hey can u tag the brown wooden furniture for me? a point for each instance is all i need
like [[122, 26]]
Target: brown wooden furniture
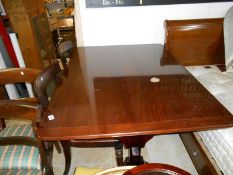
[[45, 85], [31, 112], [64, 51], [19, 75], [66, 28], [40, 79], [16, 75], [25, 108], [197, 154], [46, 82], [30, 75], [29, 20], [196, 42], [156, 169], [67, 144], [3, 93], [109, 94]]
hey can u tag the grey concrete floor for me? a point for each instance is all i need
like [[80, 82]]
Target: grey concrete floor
[[166, 149]]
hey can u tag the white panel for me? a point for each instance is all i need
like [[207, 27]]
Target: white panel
[[136, 25], [228, 40], [20, 59], [10, 88]]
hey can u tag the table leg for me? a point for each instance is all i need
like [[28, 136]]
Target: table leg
[[135, 157], [134, 144], [119, 154], [67, 153]]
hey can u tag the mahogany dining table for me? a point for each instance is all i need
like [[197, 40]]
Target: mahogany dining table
[[129, 92]]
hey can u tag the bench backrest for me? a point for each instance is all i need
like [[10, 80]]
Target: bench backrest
[[196, 41]]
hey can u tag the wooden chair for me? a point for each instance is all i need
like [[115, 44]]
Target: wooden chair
[[21, 108], [64, 51], [156, 169], [53, 72], [67, 144], [19, 75], [46, 83], [20, 151]]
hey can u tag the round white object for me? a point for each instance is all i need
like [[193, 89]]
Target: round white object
[[155, 80]]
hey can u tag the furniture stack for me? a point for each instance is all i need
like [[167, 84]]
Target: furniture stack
[[28, 19]]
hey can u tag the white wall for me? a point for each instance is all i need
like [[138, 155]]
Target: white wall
[[136, 25]]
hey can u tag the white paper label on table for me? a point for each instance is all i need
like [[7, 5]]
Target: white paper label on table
[[51, 117]]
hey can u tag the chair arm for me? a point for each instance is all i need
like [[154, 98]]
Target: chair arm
[[33, 100], [18, 109], [19, 140]]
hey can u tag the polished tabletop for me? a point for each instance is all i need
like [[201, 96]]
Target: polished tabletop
[[117, 91]]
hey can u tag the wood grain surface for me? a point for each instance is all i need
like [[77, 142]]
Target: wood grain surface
[[108, 93]]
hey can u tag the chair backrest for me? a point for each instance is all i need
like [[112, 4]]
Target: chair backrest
[[65, 48], [228, 39], [51, 74], [18, 75], [195, 41], [156, 169]]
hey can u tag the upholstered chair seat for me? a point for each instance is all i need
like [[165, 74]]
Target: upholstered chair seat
[[19, 159]]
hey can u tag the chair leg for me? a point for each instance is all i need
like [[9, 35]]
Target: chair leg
[[67, 153], [44, 157], [57, 146], [65, 69], [2, 124], [119, 154]]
